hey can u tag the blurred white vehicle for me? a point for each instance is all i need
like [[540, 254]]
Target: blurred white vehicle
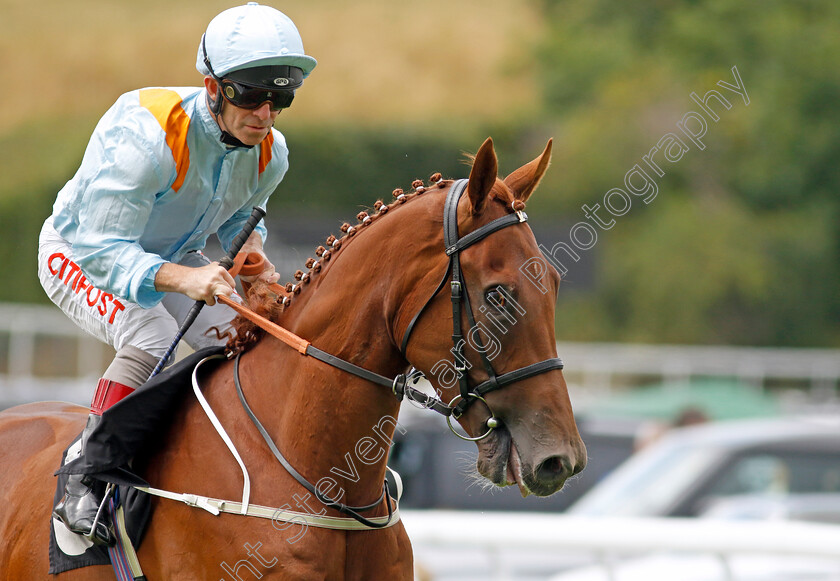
[[691, 470], [696, 567], [779, 470], [820, 507]]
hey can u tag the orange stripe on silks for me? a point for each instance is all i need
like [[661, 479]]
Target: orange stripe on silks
[[165, 105], [265, 150]]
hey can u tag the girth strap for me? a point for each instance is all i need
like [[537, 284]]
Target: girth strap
[[216, 506]]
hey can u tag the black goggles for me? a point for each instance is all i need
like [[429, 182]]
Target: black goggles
[[247, 97]]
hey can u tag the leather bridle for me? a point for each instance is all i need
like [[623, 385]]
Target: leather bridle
[[402, 385], [455, 244]]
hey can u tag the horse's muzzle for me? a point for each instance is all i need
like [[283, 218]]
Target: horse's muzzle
[[551, 474], [505, 463]]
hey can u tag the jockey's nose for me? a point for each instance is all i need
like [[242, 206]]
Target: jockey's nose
[[263, 111]]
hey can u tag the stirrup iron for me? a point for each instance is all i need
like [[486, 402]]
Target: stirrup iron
[[91, 536]]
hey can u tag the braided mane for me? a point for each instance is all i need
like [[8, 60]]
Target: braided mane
[[266, 300]]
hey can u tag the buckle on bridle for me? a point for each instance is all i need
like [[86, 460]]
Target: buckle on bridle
[[398, 387]]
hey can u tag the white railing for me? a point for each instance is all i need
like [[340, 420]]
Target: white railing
[[491, 541], [31, 368], [603, 362], [802, 380], [43, 356]]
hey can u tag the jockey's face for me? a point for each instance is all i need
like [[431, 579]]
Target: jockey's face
[[250, 126]]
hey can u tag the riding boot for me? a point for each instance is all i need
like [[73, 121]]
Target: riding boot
[[82, 498], [83, 495]]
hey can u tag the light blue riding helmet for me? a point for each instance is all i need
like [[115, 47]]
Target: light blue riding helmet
[[251, 36]]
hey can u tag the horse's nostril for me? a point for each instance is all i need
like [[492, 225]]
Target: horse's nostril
[[553, 467], [549, 475]]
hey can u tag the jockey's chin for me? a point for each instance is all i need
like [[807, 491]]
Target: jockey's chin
[[250, 126]]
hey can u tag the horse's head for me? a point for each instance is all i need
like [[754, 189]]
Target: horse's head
[[509, 318], [500, 311]]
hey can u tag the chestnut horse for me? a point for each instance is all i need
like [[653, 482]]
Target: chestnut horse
[[358, 306]]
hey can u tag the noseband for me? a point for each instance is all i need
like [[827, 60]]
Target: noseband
[[461, 300]]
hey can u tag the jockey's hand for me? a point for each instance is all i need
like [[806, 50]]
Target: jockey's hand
[[201, 284], [269, 274], [254, 244]]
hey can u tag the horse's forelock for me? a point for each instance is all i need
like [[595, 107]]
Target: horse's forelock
[[502, 193]]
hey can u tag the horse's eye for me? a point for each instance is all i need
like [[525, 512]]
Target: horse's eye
[[495, 298]]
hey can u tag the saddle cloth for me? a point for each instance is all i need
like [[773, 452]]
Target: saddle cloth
[[126, 430]]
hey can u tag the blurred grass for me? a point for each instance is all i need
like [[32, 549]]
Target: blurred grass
[[441, 69], [379, 62]]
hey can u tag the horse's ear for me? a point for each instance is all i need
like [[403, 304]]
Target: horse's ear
[[525, 180], [483, 175]]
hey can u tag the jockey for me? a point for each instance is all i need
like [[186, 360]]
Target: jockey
[[165, 169]]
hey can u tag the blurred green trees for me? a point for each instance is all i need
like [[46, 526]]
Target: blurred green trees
[[742, 243]]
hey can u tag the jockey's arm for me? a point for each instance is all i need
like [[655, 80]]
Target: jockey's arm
[[206, 282], [201, 284]]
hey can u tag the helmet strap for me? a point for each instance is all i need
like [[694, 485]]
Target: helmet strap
[[215, 106], [232, 141], [215, 103]]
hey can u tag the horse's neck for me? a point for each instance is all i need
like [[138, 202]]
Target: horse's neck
[[351, 308], [329, 422]]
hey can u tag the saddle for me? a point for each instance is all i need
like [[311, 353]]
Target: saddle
[[125, 431]]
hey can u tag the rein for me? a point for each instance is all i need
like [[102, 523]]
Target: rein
[[353, 511], [398, 385], [401, 385]]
